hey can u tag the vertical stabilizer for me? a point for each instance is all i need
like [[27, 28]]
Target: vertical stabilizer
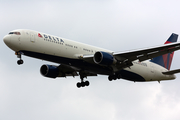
[[166, 59]]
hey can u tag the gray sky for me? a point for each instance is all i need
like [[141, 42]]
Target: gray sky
[[112, 24]]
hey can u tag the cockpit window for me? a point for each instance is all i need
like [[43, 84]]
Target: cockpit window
[[16, 33]]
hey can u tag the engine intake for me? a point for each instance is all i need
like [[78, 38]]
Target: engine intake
[[49, 71], [104, 58]]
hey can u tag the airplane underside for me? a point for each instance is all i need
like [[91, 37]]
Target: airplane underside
[[92, 68]]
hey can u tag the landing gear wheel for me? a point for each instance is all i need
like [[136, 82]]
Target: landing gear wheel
[[110, 78], [82, 84], [78, 84], [19, 62], [119, 76], [87, 83], [114, 77]]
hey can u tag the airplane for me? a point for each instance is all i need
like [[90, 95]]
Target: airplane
[[78, 59]]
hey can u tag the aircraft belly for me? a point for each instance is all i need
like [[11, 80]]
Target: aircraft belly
[[138, 72], [68, 61], [132, 74]]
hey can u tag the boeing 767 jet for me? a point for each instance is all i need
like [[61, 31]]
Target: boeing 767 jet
[[78, 59]]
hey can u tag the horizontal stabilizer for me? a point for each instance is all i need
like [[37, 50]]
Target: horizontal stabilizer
[[171, 72]]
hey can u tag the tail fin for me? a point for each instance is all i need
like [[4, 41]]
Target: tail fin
[[166, 59]]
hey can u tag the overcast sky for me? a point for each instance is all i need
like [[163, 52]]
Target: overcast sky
[[112, 24]]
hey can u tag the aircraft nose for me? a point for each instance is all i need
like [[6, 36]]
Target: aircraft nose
[[7, 39]]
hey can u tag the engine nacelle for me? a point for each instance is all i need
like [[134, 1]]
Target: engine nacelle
[[49, 71], [104, 58]]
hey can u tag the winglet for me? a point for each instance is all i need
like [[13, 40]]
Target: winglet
[[172, 38]]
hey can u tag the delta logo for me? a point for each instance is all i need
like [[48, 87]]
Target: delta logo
[[39, 35]]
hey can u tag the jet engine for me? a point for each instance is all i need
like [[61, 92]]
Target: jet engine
[[104, 58], [49, 71]]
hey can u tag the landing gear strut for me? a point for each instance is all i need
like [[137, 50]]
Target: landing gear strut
[[82, 83], [19, 62]]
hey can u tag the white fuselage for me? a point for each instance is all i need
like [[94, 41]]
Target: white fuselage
[[41, 43]]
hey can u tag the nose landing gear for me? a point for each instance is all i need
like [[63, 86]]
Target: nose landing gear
[[19, 62]]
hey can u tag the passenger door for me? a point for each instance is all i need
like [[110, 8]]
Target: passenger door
[[32, 37], [153, 71]]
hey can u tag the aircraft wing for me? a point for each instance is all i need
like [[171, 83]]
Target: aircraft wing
[[88, 58], [67, 70], [147, 53], [124, 59]]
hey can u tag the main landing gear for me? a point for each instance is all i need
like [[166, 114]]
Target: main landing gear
[[19, 62], [114, 77], [82, 83]]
